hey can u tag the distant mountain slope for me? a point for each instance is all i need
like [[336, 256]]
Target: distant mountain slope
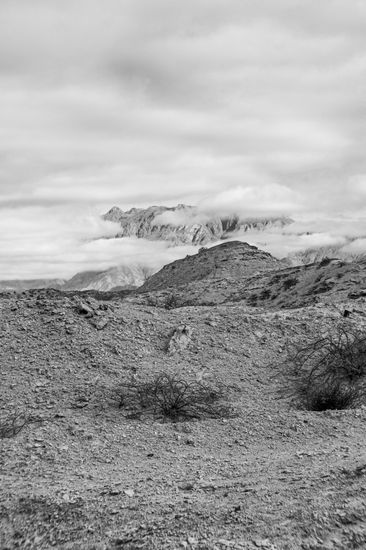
[[116, 278], [20, 284], [122, 277], [184, 225], [312, 255]]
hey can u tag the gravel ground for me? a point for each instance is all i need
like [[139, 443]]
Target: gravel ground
[[83, 474]]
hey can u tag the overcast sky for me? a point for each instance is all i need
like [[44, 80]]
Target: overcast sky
[[221, 103]]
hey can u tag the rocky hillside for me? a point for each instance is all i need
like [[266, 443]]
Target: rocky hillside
[[86, 473], [82, 469], [233, 260], [236, 271], [182, 225]]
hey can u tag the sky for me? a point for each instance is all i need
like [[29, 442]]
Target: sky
[[232, 105]]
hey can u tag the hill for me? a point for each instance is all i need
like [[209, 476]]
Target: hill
[[233, 260], [236, 271]]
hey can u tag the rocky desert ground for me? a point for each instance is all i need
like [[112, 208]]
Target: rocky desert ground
[[85, 472]]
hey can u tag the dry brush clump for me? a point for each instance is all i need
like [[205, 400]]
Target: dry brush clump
[[12, 423], [172, 398], [329, 372]]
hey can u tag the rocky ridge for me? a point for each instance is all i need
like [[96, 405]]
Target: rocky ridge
[[237, 271], [187, 229], [234, 260]]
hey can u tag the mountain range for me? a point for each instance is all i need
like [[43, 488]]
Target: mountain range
[[184, 224], [177, 226]]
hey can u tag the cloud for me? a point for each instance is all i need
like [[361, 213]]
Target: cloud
[[338, 227], [226, 104], [281, 244], [46, 243], [347, 235], [358, 246], [136, 102], [253, 201]]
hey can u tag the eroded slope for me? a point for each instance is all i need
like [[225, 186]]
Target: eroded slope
[[274, 477]]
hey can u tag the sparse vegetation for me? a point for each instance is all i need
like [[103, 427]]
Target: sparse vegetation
[[289, 283], [320, 286], [325, 261], [265, 294], [252, 300], [329, 372], [335, 396], [172, 398], [12, 423], [171, 302]]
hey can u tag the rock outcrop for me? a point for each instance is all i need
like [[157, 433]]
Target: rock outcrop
[[232, 260], [184, 225], [180, 339]]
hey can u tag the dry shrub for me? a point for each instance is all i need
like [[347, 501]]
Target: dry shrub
[[172, 398], [335, 396], [171, 302], [329, 372], [289, 283], [13, 423]]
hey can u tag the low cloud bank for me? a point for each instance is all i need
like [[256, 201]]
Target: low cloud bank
[[347, 235], [268, 200], [49, 243], [358, 246], [40, 242], [246, 202]]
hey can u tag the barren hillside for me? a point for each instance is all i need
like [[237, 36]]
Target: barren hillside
[[86, 472], [237, 271]]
